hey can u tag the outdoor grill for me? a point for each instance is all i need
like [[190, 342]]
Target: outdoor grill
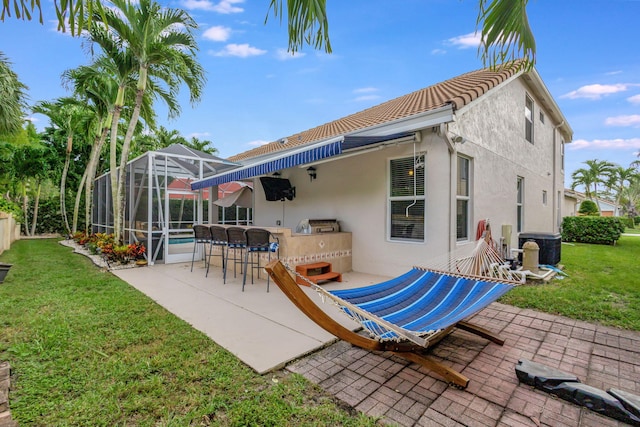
[[324, 226]]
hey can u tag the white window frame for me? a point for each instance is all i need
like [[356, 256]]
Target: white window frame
[[461, 197], [392, 227], [520, 204], [529, 110]]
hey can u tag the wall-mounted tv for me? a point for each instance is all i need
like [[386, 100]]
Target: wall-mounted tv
[[277, 188]]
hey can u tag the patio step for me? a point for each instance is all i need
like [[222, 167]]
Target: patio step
[[316, 272]]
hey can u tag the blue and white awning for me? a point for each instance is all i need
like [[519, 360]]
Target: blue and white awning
[[301, 156]]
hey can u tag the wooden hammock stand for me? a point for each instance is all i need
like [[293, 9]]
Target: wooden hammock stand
[[405, 349]]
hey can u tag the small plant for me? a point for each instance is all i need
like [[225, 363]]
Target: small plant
[[80, 237], [588, 207], [121, 254], [136, 251]]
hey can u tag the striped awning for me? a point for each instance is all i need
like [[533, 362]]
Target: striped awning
[[303, 155]]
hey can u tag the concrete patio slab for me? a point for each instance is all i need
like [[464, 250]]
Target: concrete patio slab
[[263, 329]]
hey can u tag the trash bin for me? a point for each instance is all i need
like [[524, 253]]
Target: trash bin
[[4, 270], [549, 243]]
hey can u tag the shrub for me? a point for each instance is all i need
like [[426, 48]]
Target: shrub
[[592, 229], [589, 207], [12, 208]]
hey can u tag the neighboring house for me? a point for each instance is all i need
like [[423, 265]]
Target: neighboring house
[[411, 178], [573, 199]]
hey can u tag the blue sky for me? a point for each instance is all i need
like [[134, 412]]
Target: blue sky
[[588, 56]]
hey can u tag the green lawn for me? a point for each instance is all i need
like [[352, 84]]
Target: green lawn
[[87, 349], [603, 285], [632, 231]]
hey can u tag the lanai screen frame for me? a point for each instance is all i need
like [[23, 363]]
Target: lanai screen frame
[[148, 210]]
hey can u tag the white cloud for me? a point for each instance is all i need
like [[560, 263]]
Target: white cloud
[[596, 91], [258, 143], [365, 90], [199, 135], [240, 50], [606, 144], [224, 6], [366, 98], [217, 33], [284, 55], [465, 41], [438, 52], [631, 120], [635, 99]]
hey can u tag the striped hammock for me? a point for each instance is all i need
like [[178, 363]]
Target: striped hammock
[[417, 305]]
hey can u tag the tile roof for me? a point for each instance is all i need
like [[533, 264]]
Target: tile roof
[[458, 91]]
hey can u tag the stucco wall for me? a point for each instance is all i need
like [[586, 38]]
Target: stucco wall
[[494, 130], [354, 189]]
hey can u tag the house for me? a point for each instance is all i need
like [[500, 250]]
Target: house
[[573, 199], [571, 203], [410, 179]]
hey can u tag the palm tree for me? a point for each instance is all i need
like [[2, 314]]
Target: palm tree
[[13, 96], [165, 137], [159, 43], [621, 179], [201, 145], [504, 24], [597, 172], [98, 85]]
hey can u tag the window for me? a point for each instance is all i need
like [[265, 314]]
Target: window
[[520, 205], [462, 199], [544, 197], [562, 154], [407, 198], [528, 119]]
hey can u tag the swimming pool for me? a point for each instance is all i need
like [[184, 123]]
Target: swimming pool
[[178, 240]]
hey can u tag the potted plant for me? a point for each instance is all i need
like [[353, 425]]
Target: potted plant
[[4, 269]]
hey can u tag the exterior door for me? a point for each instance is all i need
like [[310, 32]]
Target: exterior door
[[181, 209]]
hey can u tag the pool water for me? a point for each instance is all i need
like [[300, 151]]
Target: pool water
[[177, 240]]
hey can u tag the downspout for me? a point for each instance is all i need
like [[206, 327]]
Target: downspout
[[453, 172], [555, 217]]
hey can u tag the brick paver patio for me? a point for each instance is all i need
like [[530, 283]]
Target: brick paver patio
[[405, 394]]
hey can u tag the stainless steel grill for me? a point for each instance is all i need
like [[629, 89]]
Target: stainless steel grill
[[324, 226]]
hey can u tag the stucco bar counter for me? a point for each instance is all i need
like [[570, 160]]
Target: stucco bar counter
[[297, 249]]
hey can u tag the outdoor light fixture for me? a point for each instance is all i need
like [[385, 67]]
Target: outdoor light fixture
[[312, 173], [276, 174]]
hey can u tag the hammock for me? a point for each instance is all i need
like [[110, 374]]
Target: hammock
[[404, 315], [419, 304]]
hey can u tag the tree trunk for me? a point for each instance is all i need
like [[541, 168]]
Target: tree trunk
[[76, 206], [36, 204], [63, 182], [91, 176], [124, 154], [25, 205], [113, 170]]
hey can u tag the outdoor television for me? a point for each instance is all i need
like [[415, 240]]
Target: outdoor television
[[277, 188]]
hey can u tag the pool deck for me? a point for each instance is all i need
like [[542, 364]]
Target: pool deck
[[267, 332]]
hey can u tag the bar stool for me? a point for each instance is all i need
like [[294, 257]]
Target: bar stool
[[218, 238], [258, 241], [236, 241], [202, 236]]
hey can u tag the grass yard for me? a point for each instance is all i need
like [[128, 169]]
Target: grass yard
[[603, 285], [87, 349]]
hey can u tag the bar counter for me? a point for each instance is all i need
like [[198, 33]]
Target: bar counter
[[297, 249]]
